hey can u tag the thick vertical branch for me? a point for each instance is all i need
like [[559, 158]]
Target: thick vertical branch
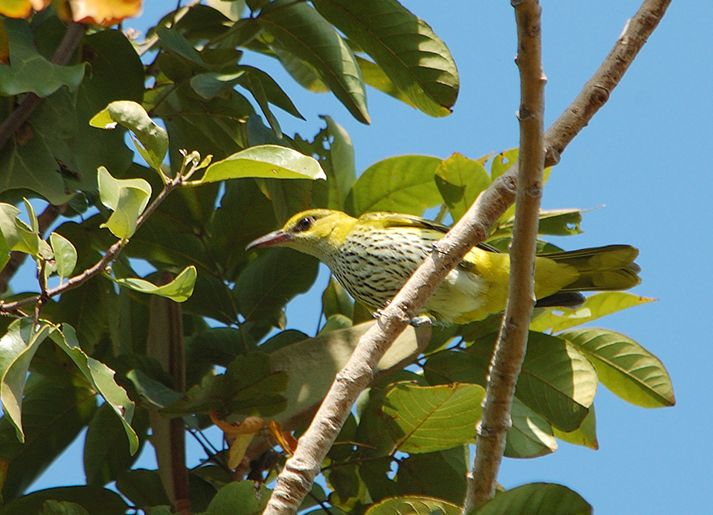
[[296, 479], [512, 340]]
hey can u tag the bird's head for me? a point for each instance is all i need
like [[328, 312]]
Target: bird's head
[[318, 232]]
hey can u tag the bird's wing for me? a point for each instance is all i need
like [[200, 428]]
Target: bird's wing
[[402, 220]]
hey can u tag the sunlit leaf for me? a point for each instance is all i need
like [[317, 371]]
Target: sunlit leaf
[[179, 289], [596, 306], [65, 255], [265, 161], [15, 234], [152, 141], [433, 418], [625, 367], [239, 497], [402, 184], [101, 377], [127, 198], [585, 435], [17, 348], [413, 505], [531, 435], [460, 180]]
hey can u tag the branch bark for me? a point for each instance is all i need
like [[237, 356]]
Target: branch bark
[[299, 472], [512, 341]]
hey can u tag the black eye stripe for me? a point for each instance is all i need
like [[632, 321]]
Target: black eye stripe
[[303, 224]]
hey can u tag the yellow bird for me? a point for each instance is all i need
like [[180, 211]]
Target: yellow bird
[[374, 255]]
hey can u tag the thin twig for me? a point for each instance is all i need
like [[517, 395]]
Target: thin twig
[[30, 101], [299, 472], [512, 341], [96, 269]]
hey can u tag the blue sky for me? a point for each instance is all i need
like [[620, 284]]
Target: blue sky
[[640, 166]]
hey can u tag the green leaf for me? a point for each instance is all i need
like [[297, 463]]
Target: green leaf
[[239, 497], [265, 161], [445, 471], [29, 71], [625, 367], [127, 198], [502, 162], [530, 435], [155, 393], [142, 487], [300, 30], [96, 500], [402, 184], [179, 290], [557, 381], [596, 306], [303, 72], [101, 377], [106, 450], [312, 364], [433, 418], [52, 507], [413, 505], [65, 255], [152, 141], [585, 435], [375, 77], [460, 180], [271, 280], [336, 300], [54, 411], [404, 46], [17, 348], [16, 235], [536, 499]]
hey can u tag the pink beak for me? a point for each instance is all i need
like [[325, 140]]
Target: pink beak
[[272, 239]]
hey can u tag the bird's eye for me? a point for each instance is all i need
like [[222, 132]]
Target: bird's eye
[[304, 224]]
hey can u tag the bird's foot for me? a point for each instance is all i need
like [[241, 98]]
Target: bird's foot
[[421, 320]]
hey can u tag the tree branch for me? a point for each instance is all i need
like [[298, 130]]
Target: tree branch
[[30, 101], [300, 470], [512, 341]]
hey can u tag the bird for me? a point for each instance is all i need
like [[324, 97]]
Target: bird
[[374, 255]]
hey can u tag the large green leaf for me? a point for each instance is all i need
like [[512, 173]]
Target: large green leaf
[[271, 280], [625, 367], [94, 499], [239, 497], [54, 411], [151, 140], [265, 161], [300, 30], [445, 473], [413, 505], [17, 348], [15, 234], [585, 435], [29, 71], [403, 45], [101, 377], [460, 180], [530, 435], [596, 306], [433, 418], [536, 499], [127, 198], [402, 184], [556, 381], [179, 289]]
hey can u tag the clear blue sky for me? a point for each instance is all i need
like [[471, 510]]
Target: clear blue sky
[[643, 157]]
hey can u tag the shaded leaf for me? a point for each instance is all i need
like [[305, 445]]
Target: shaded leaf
[[536, 499], [298, 29], [402, 184], [239, 497], [101, 377], [52, 507], [530, 435], [65, 255], [404, 46], [435, 474], [585, 435], [625, 367], [94, 499], [433, 418], [179, 289]]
